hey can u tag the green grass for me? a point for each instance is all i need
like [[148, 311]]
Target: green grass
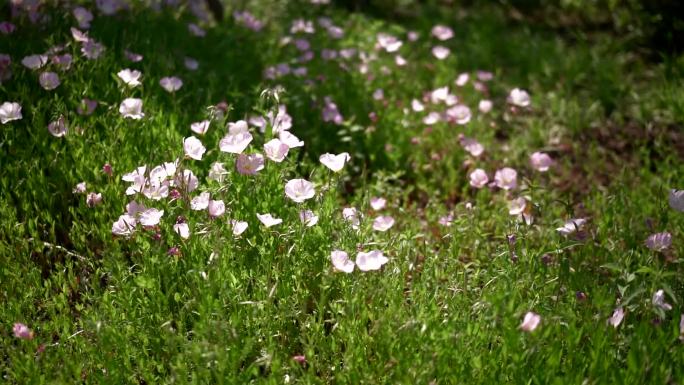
[[445, 309]]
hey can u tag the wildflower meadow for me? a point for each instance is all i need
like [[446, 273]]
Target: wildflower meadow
[[316, 192]]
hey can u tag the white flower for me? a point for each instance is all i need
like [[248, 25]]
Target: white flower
[[268, 220], [10, 111], [34, 62], [517, 206], [200, 202], [442, 32], [459, 113], [308, 218], [334, 162], [530, 322], [462, 79], [299, 190], [239, 227], [440, 52], [249, 164], [478, 178], [571, 225], [432, 118], [676, 199], [383, 223], [151, 217], [506, 178], [485, 106], [193, 148], [518, 97], [80, 188], [58, 128], [130, 77], [182, 229], [124, 226], [171, 83], [238, 127], [235, 143], [417, 106], [216, 208], [372, 260], [541, 161], [351, 215], [378, 203], [200, 127], [290, 139], [659, 300], [341, 261], [93, 199], [617, 317], [49, 80], [217, 172], [276, 150], [131, 108]]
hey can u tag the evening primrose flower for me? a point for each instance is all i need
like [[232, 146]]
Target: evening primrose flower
[[616, 319], [22, 331], [506, 178], [151, 217], [131, 108], [472, 146], [191, 63], [58, 128], [49, 80], [269, 220], [658, 300], [216, 208], [462, 79], [200, 127], [334, 162], [517, 206], [171, 83], [182, 229], [290, 139], [200, 202], [276, 150], [351, 215], [388, 42], [92, 49], [440, 52], [299, 190], [341, 261], [530, 322], [80, 188], [519, 98], [83, 17], [217, 172], [93, 199], [132, 56], [383, 223], [308, 218], [193, 148], [459, 113], [124, 226], [478, 178], [442, 32], [239, 227], [235, 143], [378, 203], [34, 62], [571, 226], [130, 77], [372, 260], [485, 106], [249, 164], [676, 199], [540, 161], [659, 241], [187, 181]]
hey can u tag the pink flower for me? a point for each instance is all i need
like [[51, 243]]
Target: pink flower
[[372, 260], [308, 218], [124, 226], [383, 223], [472, 146], [485, 106], [200, 202], [58, 128], [235, 143], [151, 217], [10, 111], [216, 208], [541, 161], [187, 181], [676, 199], [22, 331], [378, 203], [351, 215], [6, 27], [378, 94], [289, 139], [239, 227], [83, 17], [299, 190], [131, 108], [519, 98], [506, 178], [34, 62], [462, 79], [517, 206], [432, 118], [334, 162], [276, 150], [217, 172], [182, 229], [658, 300], [193, 148], [659, 241], [80, 37], [109, 7], [400, 61], [388, 42], [92, 49], [250, 164], [440, 52], [571, 226], [196, 30], [191, 64], [86, 107], [171, 83], [530, 322], [49, 80], [459, 114], [478, 178], [93, 199], [485, 76], [616, 319], [132, 56], [130, 77], [268, 220], [80, 188], [442, 32], [331, 113], [341, 261], [200, 127]]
